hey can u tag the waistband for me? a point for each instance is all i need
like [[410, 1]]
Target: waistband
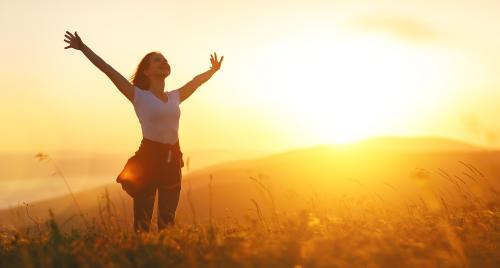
[[150, 145]]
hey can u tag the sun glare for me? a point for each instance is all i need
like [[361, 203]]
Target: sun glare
[[342, 89]]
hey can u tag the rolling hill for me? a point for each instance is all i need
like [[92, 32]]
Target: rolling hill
[[385, 170]]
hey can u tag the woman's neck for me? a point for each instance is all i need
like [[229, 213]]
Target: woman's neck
[[157, 85]]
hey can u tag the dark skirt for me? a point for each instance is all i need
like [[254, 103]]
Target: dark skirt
[[154, 163]]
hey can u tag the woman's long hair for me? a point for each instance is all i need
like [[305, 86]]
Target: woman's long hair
[[139, 79]]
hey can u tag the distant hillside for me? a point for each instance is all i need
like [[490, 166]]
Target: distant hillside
[[417, 144], [387, 169]]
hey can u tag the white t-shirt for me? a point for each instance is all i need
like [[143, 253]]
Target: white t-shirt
[[159, 119]]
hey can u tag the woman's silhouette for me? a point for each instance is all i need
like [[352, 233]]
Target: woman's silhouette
[[158, 161]]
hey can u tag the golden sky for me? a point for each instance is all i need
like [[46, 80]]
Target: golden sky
[[295, 73]]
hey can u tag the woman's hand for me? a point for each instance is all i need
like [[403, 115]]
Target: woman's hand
[[215, 63], [74, 41]]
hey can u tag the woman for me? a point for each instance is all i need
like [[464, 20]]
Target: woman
[[158, 161]]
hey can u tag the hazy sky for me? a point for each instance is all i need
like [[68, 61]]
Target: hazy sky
[[295, 73]]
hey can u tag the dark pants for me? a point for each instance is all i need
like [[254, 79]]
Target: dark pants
[[166, 178]]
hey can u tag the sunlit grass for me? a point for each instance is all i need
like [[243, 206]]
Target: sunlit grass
[[351, 232]]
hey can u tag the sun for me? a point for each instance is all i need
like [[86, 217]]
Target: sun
[[340, 89]]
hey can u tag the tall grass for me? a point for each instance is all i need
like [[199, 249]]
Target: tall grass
[[358, 232], [42, 157]]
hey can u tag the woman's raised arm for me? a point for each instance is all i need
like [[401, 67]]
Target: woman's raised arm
[[120, 82], [190, 87]]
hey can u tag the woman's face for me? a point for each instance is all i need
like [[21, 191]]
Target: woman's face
[[158, 66]]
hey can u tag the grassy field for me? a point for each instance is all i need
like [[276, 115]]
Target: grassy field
[[453, 223], [360, 234]]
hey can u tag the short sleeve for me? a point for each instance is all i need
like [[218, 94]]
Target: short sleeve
[[137, 92], [176, 95]]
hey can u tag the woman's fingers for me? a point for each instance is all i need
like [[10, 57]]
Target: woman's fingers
[[215, 62], [73, 41], [212, 60]]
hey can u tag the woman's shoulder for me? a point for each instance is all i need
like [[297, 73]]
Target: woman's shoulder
[[138, 92], [175, 94], [139, 88]]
